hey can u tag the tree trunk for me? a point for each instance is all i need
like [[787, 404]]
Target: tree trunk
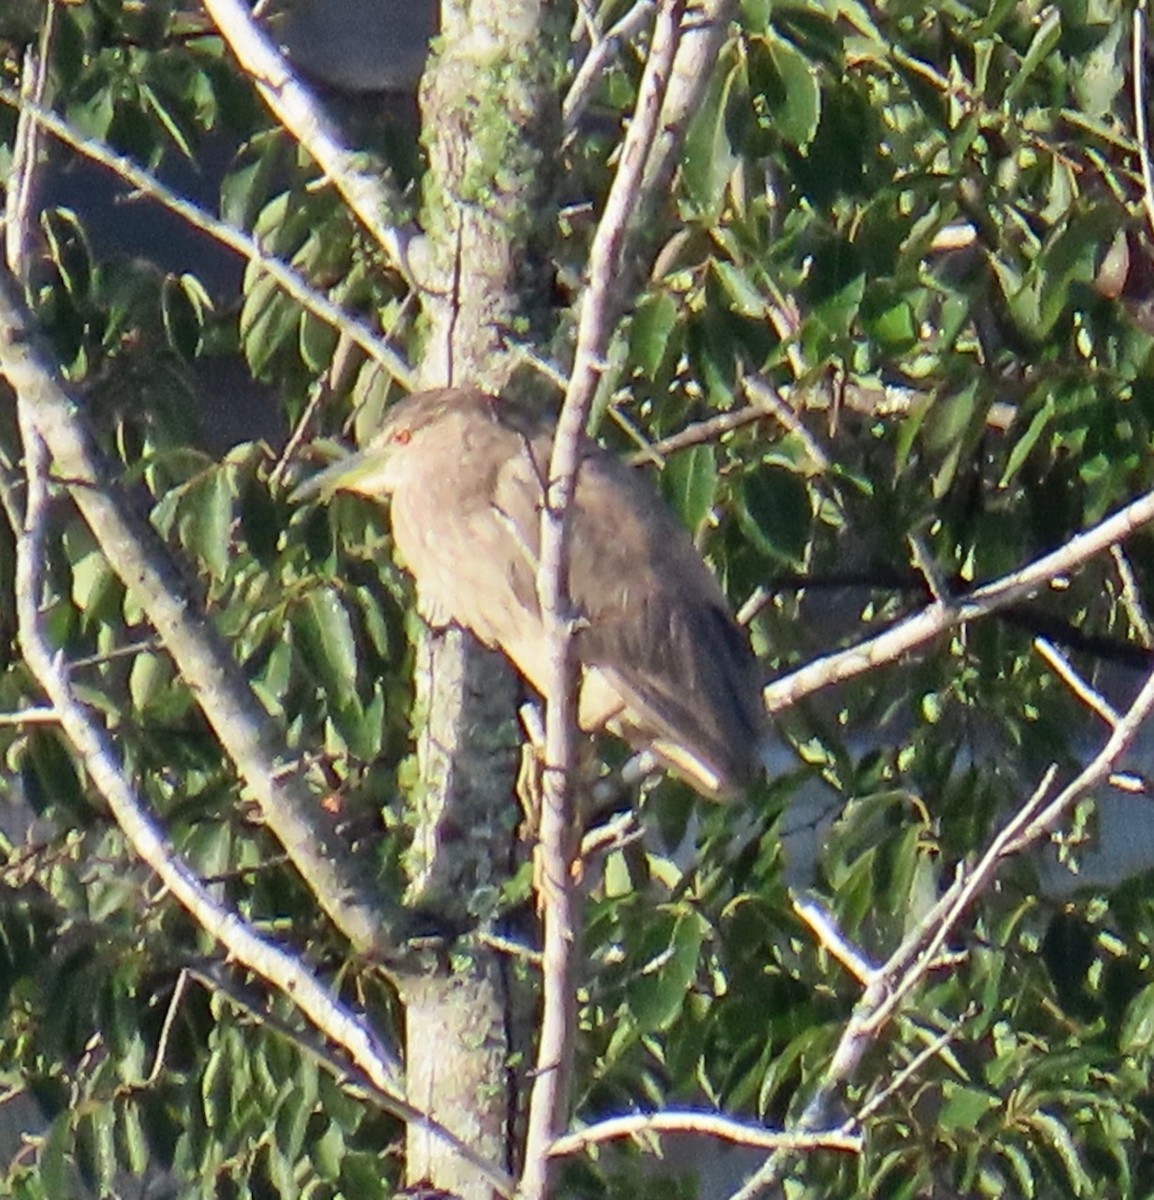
[[492, 122]]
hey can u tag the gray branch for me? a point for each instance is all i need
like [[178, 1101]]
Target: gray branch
[[291, 807]]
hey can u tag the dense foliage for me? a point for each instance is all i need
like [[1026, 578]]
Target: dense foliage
[[923, 226]]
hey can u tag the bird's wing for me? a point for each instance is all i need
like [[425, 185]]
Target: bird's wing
[[655, 628]]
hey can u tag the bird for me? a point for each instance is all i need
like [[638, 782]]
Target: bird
[[663, 663]]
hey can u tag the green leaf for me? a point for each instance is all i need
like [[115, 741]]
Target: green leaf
[[965, 1106], [796, 103], [708, 160], [653, 325], [149, 675], [48, 775], [327, 643], [68, 250], [1027, 441], [1042, 46], [1137, 1033], [669, 954], [245, 188], [184, 307], [327, 1152], [775, 512], [268, 319], [215, 1090], [745, 299], [318, 343], [1058, 1136], [96, 1146], [131, 1140], [690, 482], [206, 521], [53, 1157], [364, 1176], [891, 321]]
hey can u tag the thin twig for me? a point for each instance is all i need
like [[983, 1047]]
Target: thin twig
[[20, 205], [704, 33], [166, 1029], [317, 393], [1138, 82], [908, 1072], [30, 716], [1064, 669], [767, 399], [831, 939], [926, 567], [709, 1124], [147, 645], [596, 62], [1132, 602], [699, 433], [601, 301]]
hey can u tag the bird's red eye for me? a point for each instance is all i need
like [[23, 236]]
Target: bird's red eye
[[404, 436]]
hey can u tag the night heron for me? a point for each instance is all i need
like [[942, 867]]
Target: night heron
[[663, 663]]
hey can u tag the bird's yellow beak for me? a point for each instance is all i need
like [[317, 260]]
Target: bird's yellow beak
[[353, 471]]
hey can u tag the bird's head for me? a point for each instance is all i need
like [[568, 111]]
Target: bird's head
[[407, 444]]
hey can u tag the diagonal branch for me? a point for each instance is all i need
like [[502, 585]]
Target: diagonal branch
[[340, 880], [243, 945], [95, 748], [372, 198], [889, 985], [286, 277], [942, 616], [596, 62]]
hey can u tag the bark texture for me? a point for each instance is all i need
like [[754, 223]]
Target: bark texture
[[492, 127]]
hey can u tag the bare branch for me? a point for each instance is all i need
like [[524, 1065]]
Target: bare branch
[[1138, 83], [601, 302], [1132, 602], [890, 984], [95, 748], [1063, 668], [337, 876], [703, 36], [909, 1071], [709, 1124], [288, 278], [937, 618], [174, 1002], [20, 206], [558, 846], [767, 399], [371, 197], [831, 939], [700, 433], [30, 716], [596, 62]]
